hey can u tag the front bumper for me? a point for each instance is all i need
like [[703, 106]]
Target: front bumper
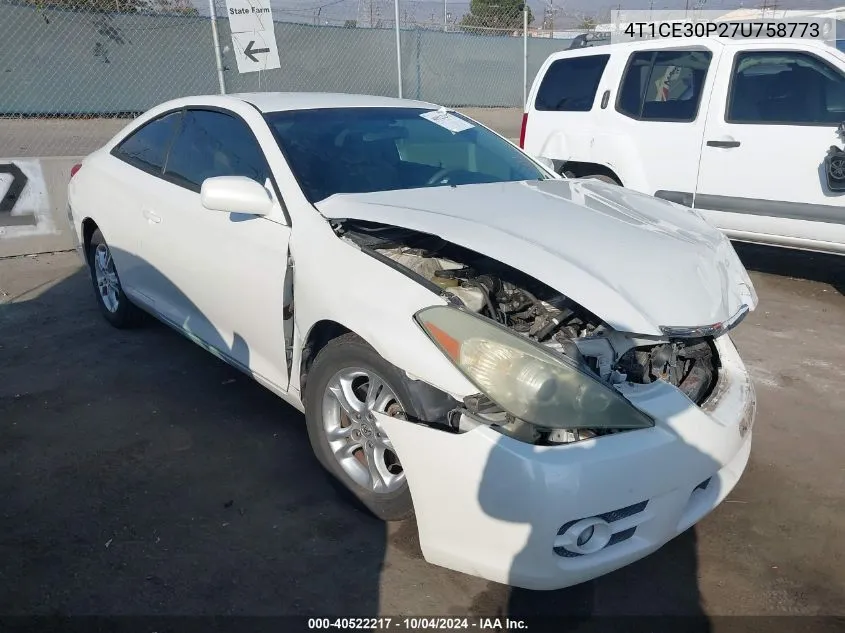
[[491, 506]]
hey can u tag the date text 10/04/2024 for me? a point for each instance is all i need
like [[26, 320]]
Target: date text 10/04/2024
[[418, 624], [637, 30]]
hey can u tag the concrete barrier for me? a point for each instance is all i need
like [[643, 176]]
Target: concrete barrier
[[33, 206]]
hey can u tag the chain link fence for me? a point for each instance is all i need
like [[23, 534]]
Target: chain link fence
[[73, 71]]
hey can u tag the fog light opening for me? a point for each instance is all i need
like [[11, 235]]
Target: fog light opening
[[585, 536]]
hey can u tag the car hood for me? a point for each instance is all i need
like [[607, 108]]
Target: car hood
[[635, 261]]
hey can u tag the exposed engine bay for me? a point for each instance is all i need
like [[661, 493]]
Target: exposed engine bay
[[534, 310]]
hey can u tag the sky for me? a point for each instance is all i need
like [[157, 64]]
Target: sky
[[568, 12]]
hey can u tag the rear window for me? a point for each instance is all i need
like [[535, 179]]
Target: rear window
[[570, 85], [663, 85], [147, 147]]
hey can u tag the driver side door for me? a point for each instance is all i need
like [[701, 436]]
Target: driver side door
[[220, 277]]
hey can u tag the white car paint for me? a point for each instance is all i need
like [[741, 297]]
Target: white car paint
[[495, 505], [780, 163], [486, 504], [555, 242]]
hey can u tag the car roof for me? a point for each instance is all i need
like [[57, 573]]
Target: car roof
[[282, 101], [688, 42]]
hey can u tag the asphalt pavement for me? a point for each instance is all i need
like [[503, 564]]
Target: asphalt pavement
[[141, 475]]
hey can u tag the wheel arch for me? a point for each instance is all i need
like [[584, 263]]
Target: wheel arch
[[317, 337], [431, 403], [89, 226], [579, 169]]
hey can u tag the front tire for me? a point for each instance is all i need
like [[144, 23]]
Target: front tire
[[347, 383], [113, 303]]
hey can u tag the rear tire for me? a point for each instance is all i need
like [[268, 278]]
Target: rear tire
[[113, 303], [347, 381]]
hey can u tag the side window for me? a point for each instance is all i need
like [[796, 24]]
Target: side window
[[146, 148], [570, 84], [788, 87], [214, 144], [663, 85]]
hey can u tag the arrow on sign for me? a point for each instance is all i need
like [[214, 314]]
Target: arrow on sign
[[250, 52]]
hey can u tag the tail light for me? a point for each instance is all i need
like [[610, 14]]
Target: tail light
[[522, 130], [75, 169]]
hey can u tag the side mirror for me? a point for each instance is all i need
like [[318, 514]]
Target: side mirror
[[235, 194]]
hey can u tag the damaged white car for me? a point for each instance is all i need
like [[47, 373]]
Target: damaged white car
[[539, 368]]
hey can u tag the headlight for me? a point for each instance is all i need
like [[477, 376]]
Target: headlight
[[530, 382]]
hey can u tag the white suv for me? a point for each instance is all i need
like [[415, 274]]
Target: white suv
[[746, 131]]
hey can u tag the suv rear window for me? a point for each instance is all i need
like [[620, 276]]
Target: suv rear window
[[570, 84], [663, 85]]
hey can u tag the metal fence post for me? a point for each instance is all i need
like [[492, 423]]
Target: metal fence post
[[419, 70], [217, 58], [398, 49], [524, 54]]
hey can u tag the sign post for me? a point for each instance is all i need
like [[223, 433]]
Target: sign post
[[216, 37], [253, 35]]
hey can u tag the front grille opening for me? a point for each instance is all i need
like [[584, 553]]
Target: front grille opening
[[624, 535], [624, 513]]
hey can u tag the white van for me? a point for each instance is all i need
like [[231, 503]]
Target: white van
[[747, 131]]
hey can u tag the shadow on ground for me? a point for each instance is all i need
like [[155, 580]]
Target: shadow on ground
[[140, 475], [785, 262]]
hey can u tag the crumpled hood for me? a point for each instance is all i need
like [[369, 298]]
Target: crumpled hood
[[635, 261]]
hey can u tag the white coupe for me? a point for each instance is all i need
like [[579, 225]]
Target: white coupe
[[539, 368]]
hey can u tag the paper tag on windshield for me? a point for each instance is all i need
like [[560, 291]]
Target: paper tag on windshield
[[447, 120]]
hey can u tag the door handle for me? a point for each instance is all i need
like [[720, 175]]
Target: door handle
[[151, 216], [725, 141]]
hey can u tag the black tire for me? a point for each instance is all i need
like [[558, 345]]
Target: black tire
[[604, 178], [344, 352], [125, 314]]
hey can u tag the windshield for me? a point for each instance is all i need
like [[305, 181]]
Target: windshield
[[362, 150]]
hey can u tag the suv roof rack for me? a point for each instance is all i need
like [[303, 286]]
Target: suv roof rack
[[594, 38]]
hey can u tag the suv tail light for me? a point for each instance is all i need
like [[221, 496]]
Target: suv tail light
[[75, 169], [522, 130]]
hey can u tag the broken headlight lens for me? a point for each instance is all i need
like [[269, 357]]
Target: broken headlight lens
[[528, 381]]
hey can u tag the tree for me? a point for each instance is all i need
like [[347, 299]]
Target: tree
[[181, 7], [587, 24], [504, 15], [350, 24]]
